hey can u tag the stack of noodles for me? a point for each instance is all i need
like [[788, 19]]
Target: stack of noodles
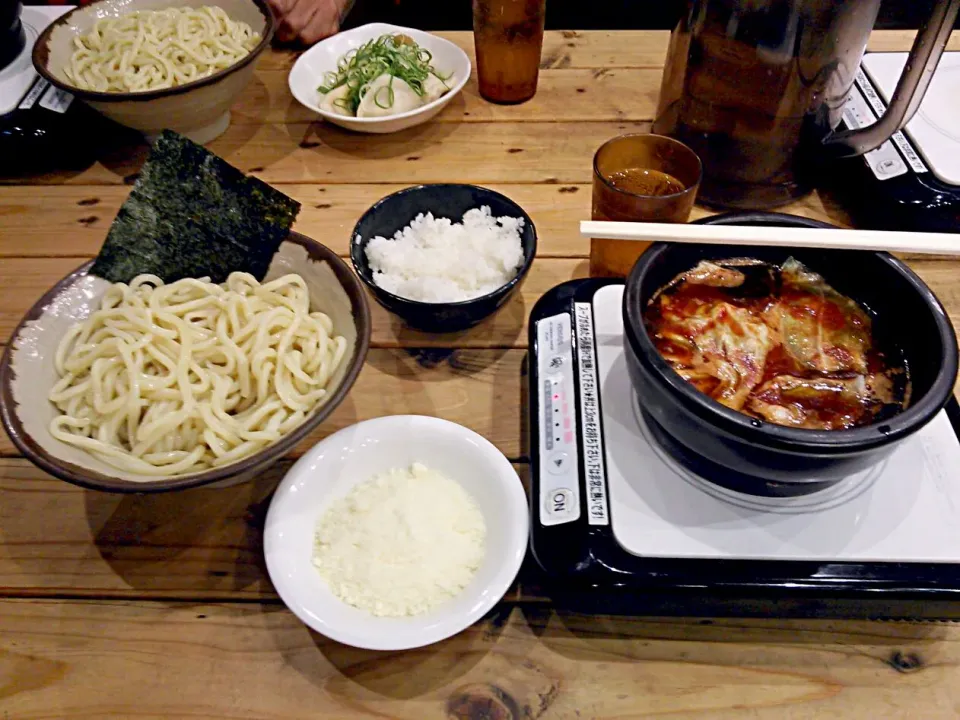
[[173, 379], [158, 49]]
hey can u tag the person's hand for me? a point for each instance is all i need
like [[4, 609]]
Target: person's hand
[[308, 20]]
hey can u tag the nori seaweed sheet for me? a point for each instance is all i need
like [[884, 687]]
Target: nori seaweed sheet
[[191, 214]]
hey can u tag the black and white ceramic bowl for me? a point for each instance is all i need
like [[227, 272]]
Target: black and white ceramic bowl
[[395, 212]]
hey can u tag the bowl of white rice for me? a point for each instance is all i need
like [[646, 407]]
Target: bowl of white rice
[[443, 257]]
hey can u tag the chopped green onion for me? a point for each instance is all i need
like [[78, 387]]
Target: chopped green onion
[[397, 55], [389, 88]]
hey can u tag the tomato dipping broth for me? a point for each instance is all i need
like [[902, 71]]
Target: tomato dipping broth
[[776, 343]]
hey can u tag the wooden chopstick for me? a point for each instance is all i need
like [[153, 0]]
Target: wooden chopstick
[[826, 238]]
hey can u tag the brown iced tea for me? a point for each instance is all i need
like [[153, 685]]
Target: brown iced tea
[[644, 181], [508, 35], [639, 178]]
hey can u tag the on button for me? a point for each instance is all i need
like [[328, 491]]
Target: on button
[[559, 503]]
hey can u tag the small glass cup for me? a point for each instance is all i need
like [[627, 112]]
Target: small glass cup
[[639, 178], [508, 36]]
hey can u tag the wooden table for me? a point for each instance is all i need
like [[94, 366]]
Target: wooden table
[[160, 607]]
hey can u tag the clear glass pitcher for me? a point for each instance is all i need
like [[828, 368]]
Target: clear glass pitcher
[[757, 87]]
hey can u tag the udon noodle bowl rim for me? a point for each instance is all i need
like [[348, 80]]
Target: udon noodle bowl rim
[[57, 39], [28, 364]]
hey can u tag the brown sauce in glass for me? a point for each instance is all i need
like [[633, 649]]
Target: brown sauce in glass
[[644, 181]]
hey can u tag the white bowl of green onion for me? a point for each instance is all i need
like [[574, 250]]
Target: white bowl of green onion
[[379, 78]]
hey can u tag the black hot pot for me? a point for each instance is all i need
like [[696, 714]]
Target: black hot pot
[[779, 460]]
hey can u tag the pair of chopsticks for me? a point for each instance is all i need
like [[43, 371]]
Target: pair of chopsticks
[[761, 235]]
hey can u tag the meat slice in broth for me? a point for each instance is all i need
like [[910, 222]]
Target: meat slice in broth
[[713, 275], [724, 348], [823, 330], [814, 403], [820, 403]]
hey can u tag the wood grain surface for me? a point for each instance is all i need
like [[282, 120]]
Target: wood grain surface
[[143, 607], [606, 49], [251, 661], [201, 544], [76, 219]]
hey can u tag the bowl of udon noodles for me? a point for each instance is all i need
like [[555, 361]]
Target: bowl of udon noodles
[[157, 64], [146, 386], [781, 371]]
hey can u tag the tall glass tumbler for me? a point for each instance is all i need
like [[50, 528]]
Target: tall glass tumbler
[[508, 36]]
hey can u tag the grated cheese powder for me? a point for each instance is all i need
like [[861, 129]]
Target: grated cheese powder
[[400, 543]]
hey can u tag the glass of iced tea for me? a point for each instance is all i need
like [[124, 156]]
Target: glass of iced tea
[[508, 36], [639, 178]]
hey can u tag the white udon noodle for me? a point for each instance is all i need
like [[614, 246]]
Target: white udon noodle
[[157, 49], [172, 379]]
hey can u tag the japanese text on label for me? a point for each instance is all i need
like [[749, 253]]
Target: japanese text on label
[[595, 475]]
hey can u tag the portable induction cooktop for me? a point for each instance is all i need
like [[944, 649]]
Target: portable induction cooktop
[[624, 522], [40, 126], [912, 181]]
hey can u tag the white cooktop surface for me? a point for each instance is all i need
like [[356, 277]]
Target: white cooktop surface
[[906, 509], [936, 127]]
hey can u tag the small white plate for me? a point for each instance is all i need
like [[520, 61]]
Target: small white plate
[[353, 455], [307, 75]]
